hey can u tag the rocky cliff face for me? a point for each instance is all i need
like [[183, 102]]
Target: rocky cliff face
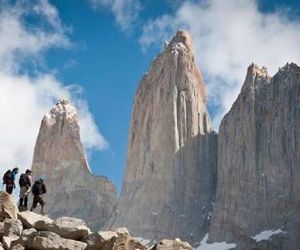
[[170, 178], [258, 163], [59, 156]]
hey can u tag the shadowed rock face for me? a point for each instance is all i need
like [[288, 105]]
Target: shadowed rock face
[[59, 156], [170, 178], [258, 162]]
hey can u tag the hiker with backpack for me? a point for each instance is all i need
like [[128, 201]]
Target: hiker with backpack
[[38, 189], [25, 185], [9, 180]]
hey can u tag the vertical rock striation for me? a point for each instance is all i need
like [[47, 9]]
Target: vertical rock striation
[[170, 179], [59, 156], [258, 185]]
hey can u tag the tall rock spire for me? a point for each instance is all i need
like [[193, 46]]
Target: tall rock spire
[[59, 156], [170, 178], [258, 163]]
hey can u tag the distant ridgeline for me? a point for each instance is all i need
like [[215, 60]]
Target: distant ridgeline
[[240, 188]]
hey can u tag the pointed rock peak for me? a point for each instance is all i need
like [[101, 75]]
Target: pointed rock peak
[[255, 76], [182, 40], [289, 67], [63, 110], [62, 101], [254, 71]]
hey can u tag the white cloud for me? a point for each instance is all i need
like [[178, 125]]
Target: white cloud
[[228, 36], [124, 11], [24, 98]]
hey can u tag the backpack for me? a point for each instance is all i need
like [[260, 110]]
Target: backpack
[[23, 181], [7, 177], [38, 188]]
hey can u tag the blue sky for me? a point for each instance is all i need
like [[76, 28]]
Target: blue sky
[[105, 49]]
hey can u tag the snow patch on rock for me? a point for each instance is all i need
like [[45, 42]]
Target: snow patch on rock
[[266, 235], [204, 245]]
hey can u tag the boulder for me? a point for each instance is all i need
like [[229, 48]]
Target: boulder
[[121, 230], [18, 247], [172, 244], [96, 241], [52, 241], [70, 228], [8, 241], [8, 208], [125, 242], [1, 229], [1, 247], [12, 227], [33, 220], [29, 232], [26, 237]]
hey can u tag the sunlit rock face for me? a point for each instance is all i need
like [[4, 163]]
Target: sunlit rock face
[[59, 156], [258, 185], [170, 179]]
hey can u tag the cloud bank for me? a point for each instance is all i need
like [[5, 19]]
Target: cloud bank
[[25, 95], [124, 11], [228, 36]]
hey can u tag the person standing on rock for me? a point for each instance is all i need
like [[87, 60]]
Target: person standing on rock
[[38, 189], [9, 180], [25, 185]]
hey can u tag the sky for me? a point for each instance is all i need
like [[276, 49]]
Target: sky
[[94, 52]]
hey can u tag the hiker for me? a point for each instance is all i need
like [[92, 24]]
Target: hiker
[[25, 185], [38, 189], [9, 180]]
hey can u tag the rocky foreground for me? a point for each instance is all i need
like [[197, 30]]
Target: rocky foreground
[[30, 231]]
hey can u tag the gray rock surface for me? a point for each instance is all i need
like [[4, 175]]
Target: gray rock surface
[[124, 242], [258, 162], [33, 220], [97, 240], [68, 234], [51, 241], [172, 245], [8, 208], [59, 156], [18, 247], [70, 228], [12, 227], [8, 241], [170, 178], [1, 229]]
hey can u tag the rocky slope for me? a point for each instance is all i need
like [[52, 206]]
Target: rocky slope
[[170, 178], [59, 156], [30, 231], [258, 163]]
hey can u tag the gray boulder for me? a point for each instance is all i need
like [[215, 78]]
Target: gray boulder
[[70, 228], [18, 247], [33, 220], [1, 229], [12, 227], [121, 230], [124, 242], [8, 208], [97, 240], [12, 231], [8, 241], [26, 237], [176, 244], [52, 241]]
